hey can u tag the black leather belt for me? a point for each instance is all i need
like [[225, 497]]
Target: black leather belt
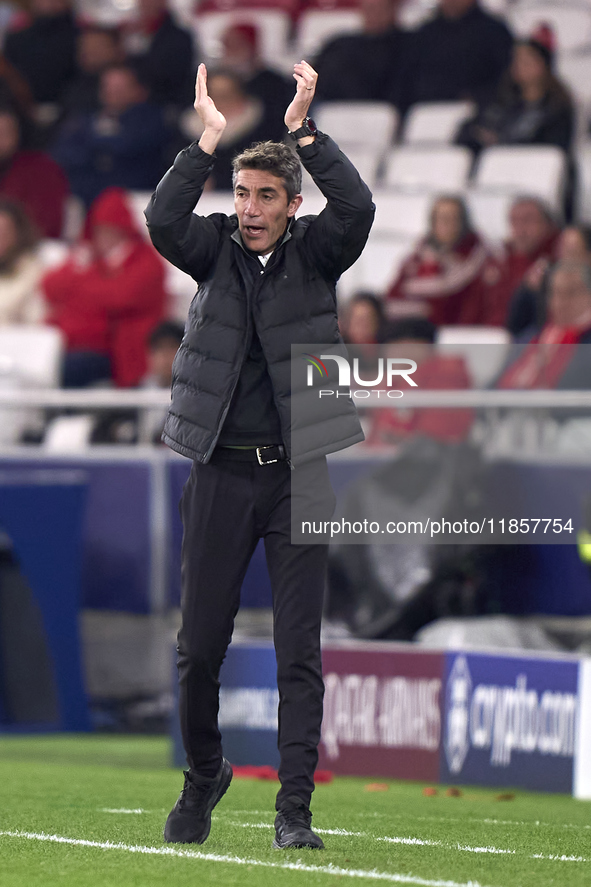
[[262, 455]]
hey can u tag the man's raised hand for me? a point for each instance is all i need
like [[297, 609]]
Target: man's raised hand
[[305, 77], [213, 120]]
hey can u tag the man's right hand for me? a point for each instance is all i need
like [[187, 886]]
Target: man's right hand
[[213, 120]]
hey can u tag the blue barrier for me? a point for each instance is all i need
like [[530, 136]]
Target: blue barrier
[[42, 513]]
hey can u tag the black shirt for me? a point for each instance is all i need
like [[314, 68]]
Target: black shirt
[[252, 419]]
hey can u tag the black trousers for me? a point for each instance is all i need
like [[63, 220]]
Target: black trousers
[[226, 507]]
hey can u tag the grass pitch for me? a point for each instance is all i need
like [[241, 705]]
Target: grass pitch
[[86, 811]]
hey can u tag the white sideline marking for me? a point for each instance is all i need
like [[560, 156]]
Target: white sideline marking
[[485, 821], [121, 810], [238, 860], [420, 842]]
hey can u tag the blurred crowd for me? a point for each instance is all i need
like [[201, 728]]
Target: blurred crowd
[[90, 114]]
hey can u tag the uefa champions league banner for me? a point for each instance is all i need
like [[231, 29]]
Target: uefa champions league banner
[[397, 711]]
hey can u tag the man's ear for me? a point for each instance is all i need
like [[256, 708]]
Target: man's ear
[[294, 205]]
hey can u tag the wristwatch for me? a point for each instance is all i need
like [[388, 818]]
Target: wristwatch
[[308, 128]]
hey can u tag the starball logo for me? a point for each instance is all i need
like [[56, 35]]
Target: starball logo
[[386, 371]]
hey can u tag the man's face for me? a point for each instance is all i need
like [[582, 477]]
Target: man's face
[[262, 207], [529, 227], [570, 300]]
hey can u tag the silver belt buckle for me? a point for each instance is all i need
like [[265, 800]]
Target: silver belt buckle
[[269, 461]]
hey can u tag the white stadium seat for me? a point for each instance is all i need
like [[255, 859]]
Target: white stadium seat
[[34, 354], [349, 123], [538, 170], [317, 26], [377, 266], [442, 169], [575, 70], [435, 122], [489, 213], [583, 207], [30, 357], [402, 214], [571, 22]]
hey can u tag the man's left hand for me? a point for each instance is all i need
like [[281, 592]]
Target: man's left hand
[[306, 78]]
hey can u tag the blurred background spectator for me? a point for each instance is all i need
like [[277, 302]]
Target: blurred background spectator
[[532, 105], [527, 310], [460, 54], [248, 121], [107, 297], [366, 64], [362, 322], [20, 267], [123, 143], [442, 277], [97, 48], [551, 359], [42, 48], [162, 53], [241, 54], [31, 176], [532, 237]]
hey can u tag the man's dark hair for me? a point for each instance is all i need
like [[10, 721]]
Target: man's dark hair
[[273, 157], [167, 331]]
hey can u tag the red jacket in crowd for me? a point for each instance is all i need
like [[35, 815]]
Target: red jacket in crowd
[[501, 277], [36, 181], [443, 284], [110, 304]]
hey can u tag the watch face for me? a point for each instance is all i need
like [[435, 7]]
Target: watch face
[[311, 126]]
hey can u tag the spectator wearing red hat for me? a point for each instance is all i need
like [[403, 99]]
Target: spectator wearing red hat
[[107, 297], [241, 54], [31, 177], [532, 106]]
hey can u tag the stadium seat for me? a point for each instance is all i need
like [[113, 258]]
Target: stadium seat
[[444, 169], [30, 357], [575, 70], [402, 214], [435, 122], [489, 213], [69, 434], [348, 123], [34, 354], [274, 27], [317, 26], [377, 266], [583, 207], [571, 22], [484, 348], [538, 170]]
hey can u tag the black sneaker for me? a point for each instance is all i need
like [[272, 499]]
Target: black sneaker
[[292, 828], [189, 821]]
